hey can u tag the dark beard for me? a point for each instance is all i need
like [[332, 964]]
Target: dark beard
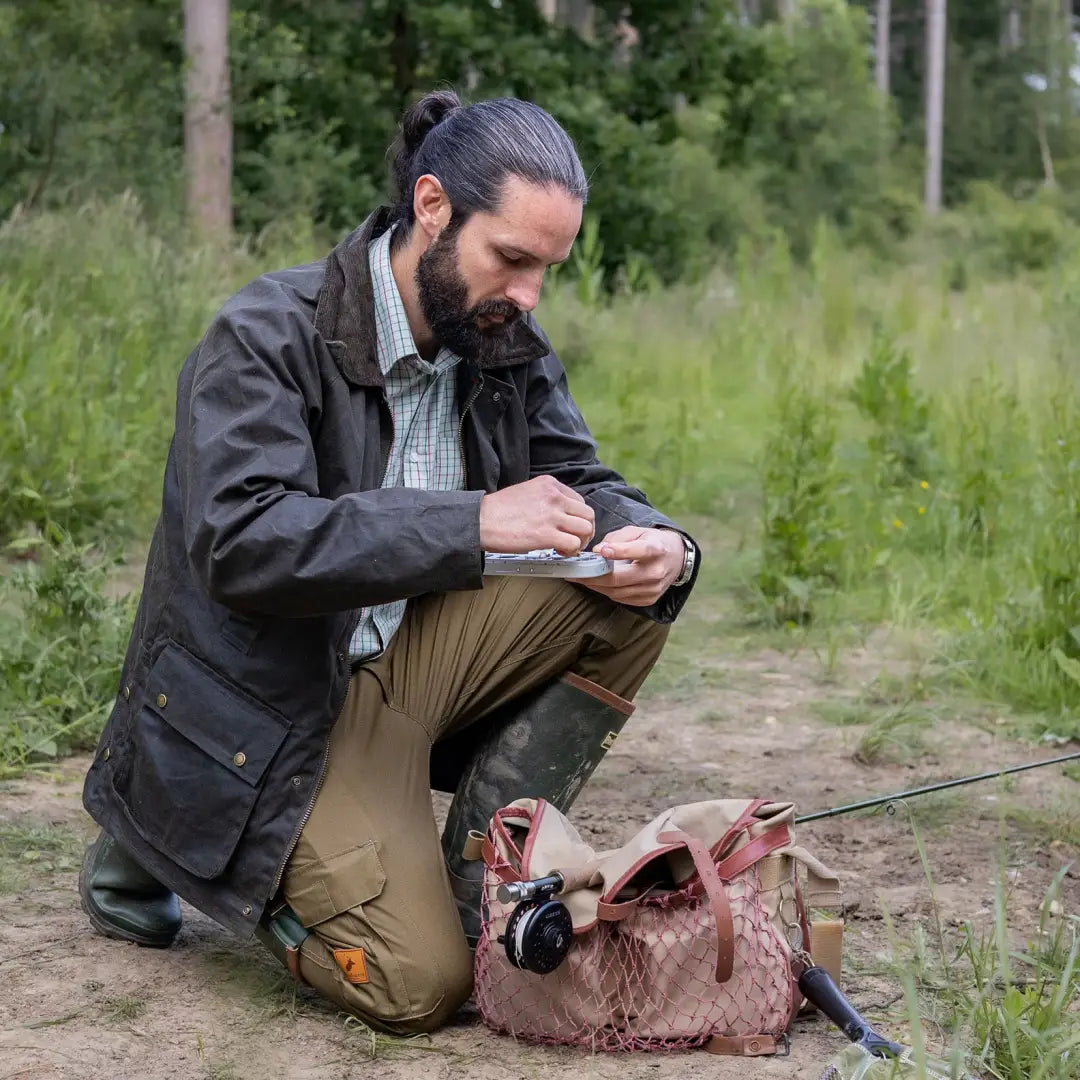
[[444, 298]]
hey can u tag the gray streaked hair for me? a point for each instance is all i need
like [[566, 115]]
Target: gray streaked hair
[[473, 149]]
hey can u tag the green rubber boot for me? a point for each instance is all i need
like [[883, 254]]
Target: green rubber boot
[[543, 747], [123, 901]]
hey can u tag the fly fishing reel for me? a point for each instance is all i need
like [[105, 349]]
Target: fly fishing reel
[[539, 931]]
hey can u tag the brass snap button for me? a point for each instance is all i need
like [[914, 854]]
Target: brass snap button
[[127, 692], [755, 1046], [239, 759], [247, 909], [105, 756], [162, 701], [297, 781]]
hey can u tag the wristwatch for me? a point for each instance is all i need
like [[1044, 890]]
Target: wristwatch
[[689, 559]]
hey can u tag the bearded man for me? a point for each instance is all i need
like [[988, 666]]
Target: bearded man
[[317, 646]]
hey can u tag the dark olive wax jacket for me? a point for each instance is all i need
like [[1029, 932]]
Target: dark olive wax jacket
[[274, 533]]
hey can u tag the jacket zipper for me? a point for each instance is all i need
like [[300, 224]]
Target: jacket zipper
[[314, 795], [326, 749], [461, 426]]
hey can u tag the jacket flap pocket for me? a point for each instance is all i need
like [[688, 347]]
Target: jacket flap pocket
[[336, 884], [238, 732]]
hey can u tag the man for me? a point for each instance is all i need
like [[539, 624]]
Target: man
[[316, 644]]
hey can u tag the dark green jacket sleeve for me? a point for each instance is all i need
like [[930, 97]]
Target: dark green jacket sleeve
[[259, 533]]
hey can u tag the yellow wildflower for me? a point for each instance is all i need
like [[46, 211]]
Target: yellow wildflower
[[922, 509], [897, 523], [924, 485]]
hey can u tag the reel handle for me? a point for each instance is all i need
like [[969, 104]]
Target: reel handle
[[557, 882], [513, 892], [818, 988]]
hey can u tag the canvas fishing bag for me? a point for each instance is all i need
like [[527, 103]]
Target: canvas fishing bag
[[692, 933]]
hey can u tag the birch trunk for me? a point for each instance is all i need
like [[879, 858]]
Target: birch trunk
[[935, 100], [208, 118], [881, 46]]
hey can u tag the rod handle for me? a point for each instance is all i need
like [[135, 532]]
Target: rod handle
[[818, 988]]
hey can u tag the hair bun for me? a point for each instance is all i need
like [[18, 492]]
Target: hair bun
[[422, 116]]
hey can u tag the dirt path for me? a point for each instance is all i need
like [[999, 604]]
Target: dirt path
[[75, 1005]]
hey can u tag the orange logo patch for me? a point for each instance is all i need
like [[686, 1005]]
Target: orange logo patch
[[352, 962]]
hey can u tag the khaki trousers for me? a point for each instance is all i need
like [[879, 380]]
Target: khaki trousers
[[367, 876]]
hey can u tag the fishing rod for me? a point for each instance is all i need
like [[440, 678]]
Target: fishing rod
[[883, 800]]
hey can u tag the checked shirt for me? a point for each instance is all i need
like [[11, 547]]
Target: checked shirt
[[423, 402]]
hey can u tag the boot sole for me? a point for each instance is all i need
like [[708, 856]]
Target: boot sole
[[110, 929]]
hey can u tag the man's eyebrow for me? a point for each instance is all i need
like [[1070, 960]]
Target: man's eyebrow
[[513, 249]]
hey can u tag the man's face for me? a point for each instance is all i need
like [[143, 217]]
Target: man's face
[[476, 279]]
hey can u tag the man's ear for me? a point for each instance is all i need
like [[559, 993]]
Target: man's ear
[[431, 206]]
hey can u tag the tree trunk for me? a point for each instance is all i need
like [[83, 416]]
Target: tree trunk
[[881, 46], [1010, 28], [208, 118], [935, 100]]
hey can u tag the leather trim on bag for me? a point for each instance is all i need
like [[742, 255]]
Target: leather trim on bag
[[746, 1045]]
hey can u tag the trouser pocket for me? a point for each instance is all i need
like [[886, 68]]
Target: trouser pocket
[[337, 899]]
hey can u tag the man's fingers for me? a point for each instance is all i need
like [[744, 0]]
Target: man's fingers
[[633, 595], [641, 547], [629, 574]]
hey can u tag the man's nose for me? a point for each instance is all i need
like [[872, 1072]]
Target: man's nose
[[524, 290]]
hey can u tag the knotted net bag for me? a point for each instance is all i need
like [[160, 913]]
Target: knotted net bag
[[692, 932]]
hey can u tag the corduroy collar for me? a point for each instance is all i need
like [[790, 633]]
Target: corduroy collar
[[345, 315]]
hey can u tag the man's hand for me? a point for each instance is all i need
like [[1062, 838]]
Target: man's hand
[[647, 562], [540, 513]]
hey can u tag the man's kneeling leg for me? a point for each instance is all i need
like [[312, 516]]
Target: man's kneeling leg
[[392, 973], [367, 883], [548, 741]]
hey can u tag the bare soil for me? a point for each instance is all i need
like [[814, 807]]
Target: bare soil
[[75, 1005]]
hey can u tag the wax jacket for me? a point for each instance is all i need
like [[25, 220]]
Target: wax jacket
[[274, 532]]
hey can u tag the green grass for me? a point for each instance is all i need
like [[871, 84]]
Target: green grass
[[62, 642], [124, 1009], [30, 850], [1002, 1008], [860, 443]]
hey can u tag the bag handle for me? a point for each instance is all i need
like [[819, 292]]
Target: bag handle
[[707, 883], [714, 890]]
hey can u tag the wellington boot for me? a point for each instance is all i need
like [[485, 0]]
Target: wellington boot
[[543, 746], [122, 900]]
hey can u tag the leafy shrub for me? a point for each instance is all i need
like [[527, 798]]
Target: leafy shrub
[[1019, 234], [899, 415], [802, 540], [62, 645]]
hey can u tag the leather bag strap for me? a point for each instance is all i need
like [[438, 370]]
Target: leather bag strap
[[753, 851], [714, 890]]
